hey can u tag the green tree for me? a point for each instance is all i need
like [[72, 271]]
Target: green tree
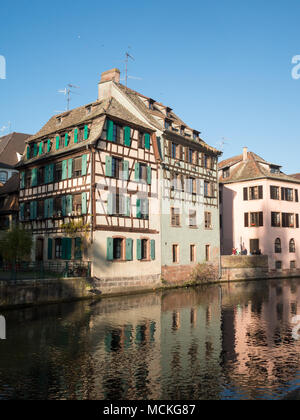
[[16, 245]]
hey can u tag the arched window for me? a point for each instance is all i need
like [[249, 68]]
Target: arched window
[[278, 246], [292, 246]]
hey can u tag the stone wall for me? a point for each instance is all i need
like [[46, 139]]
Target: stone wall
[[177, 274], [240, 267], [36, 292]]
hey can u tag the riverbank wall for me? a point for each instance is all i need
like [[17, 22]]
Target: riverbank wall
[[46, 291]]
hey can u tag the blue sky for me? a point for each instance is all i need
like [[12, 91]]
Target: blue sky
[[223, 66]]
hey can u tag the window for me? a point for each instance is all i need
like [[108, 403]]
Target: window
[[167, 124], [77, 167], [275, 169], [288, 220], [191, 185], [192, 218], [117, 168], [118, 135], [192, 253], [207, 161], [57, 206], [274, 191], [143, 172], [292, 246], [3, 176], [41, 175], [77, 204], [175, 216], [40, 209], [190, 156], [256, 193], [58, 248], [118, 205], [296, 196], [278, 265], [28, 179], [226, 173], [292, 265], [208, 189], [256, 219], [174, 150], [62, 140], [58, 172], [275, 219], [118, 249], [144, 249], [254, 246], [141, 141], [207, 220], [175, 253], [278, 246], [207, 252], [287, 194]]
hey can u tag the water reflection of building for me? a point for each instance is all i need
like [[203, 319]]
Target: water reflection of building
[[260, 355], [126, 347], [190, 344]]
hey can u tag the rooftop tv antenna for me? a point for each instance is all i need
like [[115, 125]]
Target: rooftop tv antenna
[[126, 68], [222, 143], [67, 92]]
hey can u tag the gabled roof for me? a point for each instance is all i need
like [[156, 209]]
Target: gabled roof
[[10, 145], [297, 176], [11, 186], [99, 111], [252, 168]]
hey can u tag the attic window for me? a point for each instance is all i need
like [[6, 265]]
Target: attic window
[[88, 109], [59, 120], [167, 124], [182, 131], [151, 103], [195, 135], [275, 169], [226, 173]]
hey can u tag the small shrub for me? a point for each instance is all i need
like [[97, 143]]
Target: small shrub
[[205, 273]]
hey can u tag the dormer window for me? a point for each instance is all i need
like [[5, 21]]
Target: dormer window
[[59, 120], [182, 130], [195, 135], [226, 173], [151, 102], [275, 169], [88, 109], [167, 124]]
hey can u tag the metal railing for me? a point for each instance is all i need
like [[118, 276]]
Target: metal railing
[[45, 270]]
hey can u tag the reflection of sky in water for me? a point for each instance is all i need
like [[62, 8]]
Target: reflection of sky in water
[[205, 343]]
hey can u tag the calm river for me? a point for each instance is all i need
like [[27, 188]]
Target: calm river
[[237, 341]]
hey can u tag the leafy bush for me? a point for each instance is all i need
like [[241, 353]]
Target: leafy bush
[[16, 245], [205, 273]]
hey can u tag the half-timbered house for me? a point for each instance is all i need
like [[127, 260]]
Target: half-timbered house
[[129, 179]]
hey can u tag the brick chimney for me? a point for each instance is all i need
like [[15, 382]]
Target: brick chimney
[[245, 154], [104, 86]]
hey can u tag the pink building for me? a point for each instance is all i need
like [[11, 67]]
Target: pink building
[[259, 210]]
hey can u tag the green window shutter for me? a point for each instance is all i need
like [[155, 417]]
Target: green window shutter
[[84, 165], [66, 139], [152, 249], [28, 152], [51, 173], [110, 130], [64, 205], [57, 143], [35, 150], [127, 138], [46, 174], [41, 148], [50, 247], [76, 135], [50, 207], [33, 210], [149, 175], [48, 145], [127, 212], [46, 208], [22, 211], [34, 177], [108, 166], [147, 141], [78, 253], [137, 172], [138, 208], [110, 204], [22, 180], [70, 168], [129, 249], [86, 132], [84, 203], [125, 170], [138, 249], [69, 208], [64, 170], [110, 249]]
